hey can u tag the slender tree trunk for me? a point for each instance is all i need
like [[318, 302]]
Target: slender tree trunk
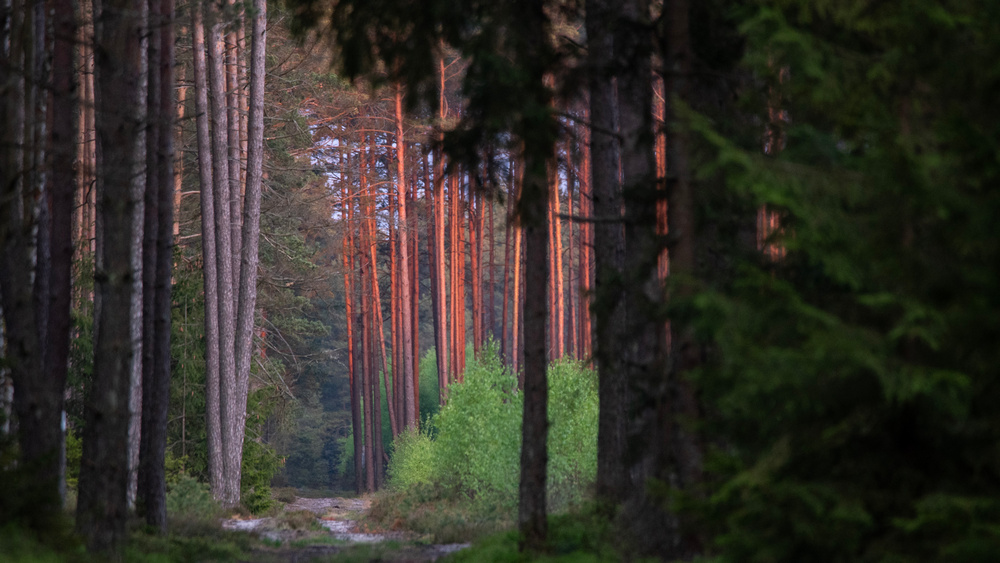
[[394, 400], [138, 230], [102, 504], [441, 335], [213, 411], [233, 55], [228, 397], [686, 448], [557, 275], [156, 381], [367, 357], [508, 225], [516, 356], [352, 319], [415, 300], [586, 245], [571, 174], [64, 117], [609, 256], [250, 236], [410, 415], [475, 271]]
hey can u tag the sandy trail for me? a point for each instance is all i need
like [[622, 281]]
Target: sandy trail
[[339, 516]]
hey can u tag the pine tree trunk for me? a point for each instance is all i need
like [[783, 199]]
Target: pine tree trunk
[[250, 236], [687, 450], [213, 410], [156, 380], [410, 415], [102, 509], [441, 334], [228, 397]]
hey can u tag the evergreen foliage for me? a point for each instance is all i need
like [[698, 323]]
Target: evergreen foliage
[[852, 389]]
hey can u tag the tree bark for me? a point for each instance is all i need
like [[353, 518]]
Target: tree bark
[[609, 257], [156, 380], [410, 414], [229, 416], [250, 241], [102, 505], [213, 407]]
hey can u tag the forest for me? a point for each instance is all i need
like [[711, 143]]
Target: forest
[[499, 280]]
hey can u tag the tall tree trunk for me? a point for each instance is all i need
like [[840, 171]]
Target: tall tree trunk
[[475, 271], [571, 176], [508, 225], [156, 380], [138, 232], [586, 245], [30, 310], [533, 56], [366, 357], [644, 354], [685, 447], [560, 313], [394, 399], [441, 340], [352, 320], [64, 118], [415, 300], [229, 411], [534, 456], [410, 416], [609, 257], [213, 410], [233, 56], [102, 505], [250, 239]]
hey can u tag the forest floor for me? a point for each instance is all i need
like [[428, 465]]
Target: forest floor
[[331, 529]]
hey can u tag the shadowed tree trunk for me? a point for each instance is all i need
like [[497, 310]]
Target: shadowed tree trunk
[[102, 506], [156, 382], [609, 256]]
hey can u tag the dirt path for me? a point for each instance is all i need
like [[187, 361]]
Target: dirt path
[[296, 539]]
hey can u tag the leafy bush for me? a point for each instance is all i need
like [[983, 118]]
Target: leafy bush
[[190, 500], [573, 407], [471, 450]]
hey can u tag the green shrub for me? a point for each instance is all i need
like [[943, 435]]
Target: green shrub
[[415, 452], [572, 444], [471, 450], [190, 500]]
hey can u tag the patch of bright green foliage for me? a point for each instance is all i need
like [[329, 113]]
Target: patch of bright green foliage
[[469, 453]]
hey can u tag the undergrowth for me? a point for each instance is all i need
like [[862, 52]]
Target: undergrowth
[[457, 478]]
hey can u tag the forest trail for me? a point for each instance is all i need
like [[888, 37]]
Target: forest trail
[[297, 539]]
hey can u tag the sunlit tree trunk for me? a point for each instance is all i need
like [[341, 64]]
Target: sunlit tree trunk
[[441, 340], [410, 415]]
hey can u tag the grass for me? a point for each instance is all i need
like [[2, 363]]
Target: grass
[[580, 537], [442, 518]]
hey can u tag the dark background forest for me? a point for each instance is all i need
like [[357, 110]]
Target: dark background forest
[[684, 280]]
